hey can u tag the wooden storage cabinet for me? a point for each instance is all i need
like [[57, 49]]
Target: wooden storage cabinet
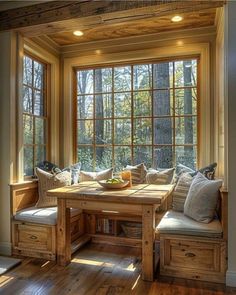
[[193, 258], [34, 240], [39, 240]]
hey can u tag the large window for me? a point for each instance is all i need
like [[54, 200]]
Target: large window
[[34, 113], [137, 113]]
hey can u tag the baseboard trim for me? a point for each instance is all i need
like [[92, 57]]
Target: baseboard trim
[[231, 278], [5, 248]]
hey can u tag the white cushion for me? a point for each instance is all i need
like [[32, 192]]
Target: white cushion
[[202, 198], [174, 222], [41, 215], [101, 175]]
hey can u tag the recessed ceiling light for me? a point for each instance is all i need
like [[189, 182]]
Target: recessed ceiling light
[[176, 18], [78, 33]]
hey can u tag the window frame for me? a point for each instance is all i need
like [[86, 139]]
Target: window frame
[[132, 63], [45, 117]]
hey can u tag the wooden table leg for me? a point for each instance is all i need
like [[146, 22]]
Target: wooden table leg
[[63, 233], [148, 232]]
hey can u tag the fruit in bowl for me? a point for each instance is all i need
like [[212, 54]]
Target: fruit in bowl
[[113, 183], [114, 180]]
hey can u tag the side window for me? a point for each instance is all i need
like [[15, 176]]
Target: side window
[[35, 118]]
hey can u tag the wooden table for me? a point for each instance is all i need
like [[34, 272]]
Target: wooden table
[[142, 199]]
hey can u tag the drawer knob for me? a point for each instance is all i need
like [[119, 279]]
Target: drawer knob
[[32, 237], [189, 254]]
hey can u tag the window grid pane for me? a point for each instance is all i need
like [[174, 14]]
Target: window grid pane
[[34, 114], [148, 111]]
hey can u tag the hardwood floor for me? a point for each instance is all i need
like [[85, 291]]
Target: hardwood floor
[[101, 270]]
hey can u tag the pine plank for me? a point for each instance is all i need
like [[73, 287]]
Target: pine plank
[[98, 269]]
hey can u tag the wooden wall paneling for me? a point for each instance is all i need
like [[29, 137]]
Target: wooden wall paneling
[[23, 195]]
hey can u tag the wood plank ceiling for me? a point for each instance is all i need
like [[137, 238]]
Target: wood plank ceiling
[[101, 20]]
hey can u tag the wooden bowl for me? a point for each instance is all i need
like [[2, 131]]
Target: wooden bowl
[[106, 185]]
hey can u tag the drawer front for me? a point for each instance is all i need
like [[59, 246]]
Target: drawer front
[[34, 237], [193, 255]]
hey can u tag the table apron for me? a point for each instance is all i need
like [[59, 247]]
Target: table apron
[[93, 205]]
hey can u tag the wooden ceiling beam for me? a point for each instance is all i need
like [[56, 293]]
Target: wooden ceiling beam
[[56, 16], [55, 11]]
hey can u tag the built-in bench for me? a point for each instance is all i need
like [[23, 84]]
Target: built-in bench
[[34, 229], [188, 249], [194, 250]]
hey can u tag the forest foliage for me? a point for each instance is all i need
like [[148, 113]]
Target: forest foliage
[[125, 115], [137, 113]]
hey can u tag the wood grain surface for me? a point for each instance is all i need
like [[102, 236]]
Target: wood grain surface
[[98, 269]]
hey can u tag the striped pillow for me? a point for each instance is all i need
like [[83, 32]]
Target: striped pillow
[[138, 172], [181, 191], [157, 178], [160, 177], [49, 181]]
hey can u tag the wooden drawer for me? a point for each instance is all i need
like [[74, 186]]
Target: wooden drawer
[[193, 258], [34, 239]]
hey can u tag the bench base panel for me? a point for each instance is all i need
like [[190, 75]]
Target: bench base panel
[[39, 240], [193, 258]]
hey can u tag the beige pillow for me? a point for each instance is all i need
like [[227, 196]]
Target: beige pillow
[[164, 176], [138, 172], [47, 181], [91, 176]]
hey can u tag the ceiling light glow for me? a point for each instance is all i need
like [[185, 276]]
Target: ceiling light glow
[[78, 33], [176, 18]]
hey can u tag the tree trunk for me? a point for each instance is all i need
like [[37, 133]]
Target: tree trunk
[[99, 124], [163, 128], [188, 121], [82, 86]]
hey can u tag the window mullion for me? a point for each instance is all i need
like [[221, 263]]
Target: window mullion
[[94, 121], [132, 115]]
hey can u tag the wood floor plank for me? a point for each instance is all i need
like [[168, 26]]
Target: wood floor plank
[[98, 269]]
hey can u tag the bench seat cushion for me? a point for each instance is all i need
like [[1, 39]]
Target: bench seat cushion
[[46, 215], [177, 223]]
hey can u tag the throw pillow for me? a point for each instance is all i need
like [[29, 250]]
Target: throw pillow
[[180, 168], [91, 176], [75, 171], [208, 171], [160, 177], [181, 191], [47, 181], [49, 167], [138, 173], [202, 198]]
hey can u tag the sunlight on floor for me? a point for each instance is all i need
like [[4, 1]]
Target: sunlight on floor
[[46, 263], [135, 283], [130, 267], [5, 280], [92, 262]]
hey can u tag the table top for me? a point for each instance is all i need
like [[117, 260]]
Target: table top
[[92, 191]]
